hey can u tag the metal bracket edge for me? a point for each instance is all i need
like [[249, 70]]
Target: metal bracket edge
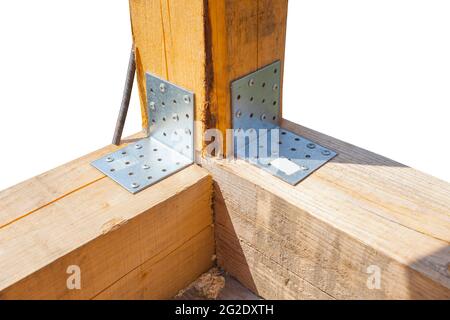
[[169, 147], [258, 137]]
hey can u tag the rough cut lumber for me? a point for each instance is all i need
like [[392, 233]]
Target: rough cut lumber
[[203, 45], [318, 239], [76, 216], [33, 194]]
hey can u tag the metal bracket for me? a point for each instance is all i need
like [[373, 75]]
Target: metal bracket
[[169, 147], [258, 138]]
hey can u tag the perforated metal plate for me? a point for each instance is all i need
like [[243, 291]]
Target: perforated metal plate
[[168, 149], [258, 137]]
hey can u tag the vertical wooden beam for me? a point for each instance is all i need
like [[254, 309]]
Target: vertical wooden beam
[[203, 45]]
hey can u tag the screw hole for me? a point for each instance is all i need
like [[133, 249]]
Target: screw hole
[[112, 170], [239, 97], [263, 101], [251, 99], [164, 134], [263, 84], [187, 116], [164, 118], [274, 103], [251, 115], [297, 139], [160, 159], [124, 152], [149, 177], [164, 170], [293, 149], [141, 156], [274, 118], [275, 71], [131, 173], [308, 156], [174, 101], [155, 149], [127, 163], [283, 133]]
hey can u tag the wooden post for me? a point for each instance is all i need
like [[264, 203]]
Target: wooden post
[[203, 45]]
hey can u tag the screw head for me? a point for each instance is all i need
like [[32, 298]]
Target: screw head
[[109, 159], [304, 168], [175, 117], [138, 146], [238, 114], [275, 87], [263, 117], [145, 167], [326, 152], [152, 105], [187, 99], [162, 87], [135, 185], [251, 82], [187, 131], [311, 146]]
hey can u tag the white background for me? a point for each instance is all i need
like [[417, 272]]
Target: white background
[[373, 73]]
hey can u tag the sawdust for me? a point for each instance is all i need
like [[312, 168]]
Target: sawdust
[[208, 286]]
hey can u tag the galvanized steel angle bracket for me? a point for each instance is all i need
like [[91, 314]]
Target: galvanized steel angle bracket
[[257, 136], [169, 147]]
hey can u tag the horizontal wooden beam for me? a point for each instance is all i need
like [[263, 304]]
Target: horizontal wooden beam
[[148, 245], [358, 215]]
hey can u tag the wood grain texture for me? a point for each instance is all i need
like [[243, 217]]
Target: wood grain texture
[[203, 45], [359, 210], [245, 35], [169, 39], [104, 230], [163, 276], [29, 196]]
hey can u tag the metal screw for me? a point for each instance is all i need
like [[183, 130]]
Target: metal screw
[[145, 167], [175, 117], [135, 185], [304, 168], [109, 159], [138, 146], [275, 87], [251, 83], [263, 117], [238, 114], [311, 146], [187, 99], [152, 105], [188, 132], [162, 87], [326, 152]]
